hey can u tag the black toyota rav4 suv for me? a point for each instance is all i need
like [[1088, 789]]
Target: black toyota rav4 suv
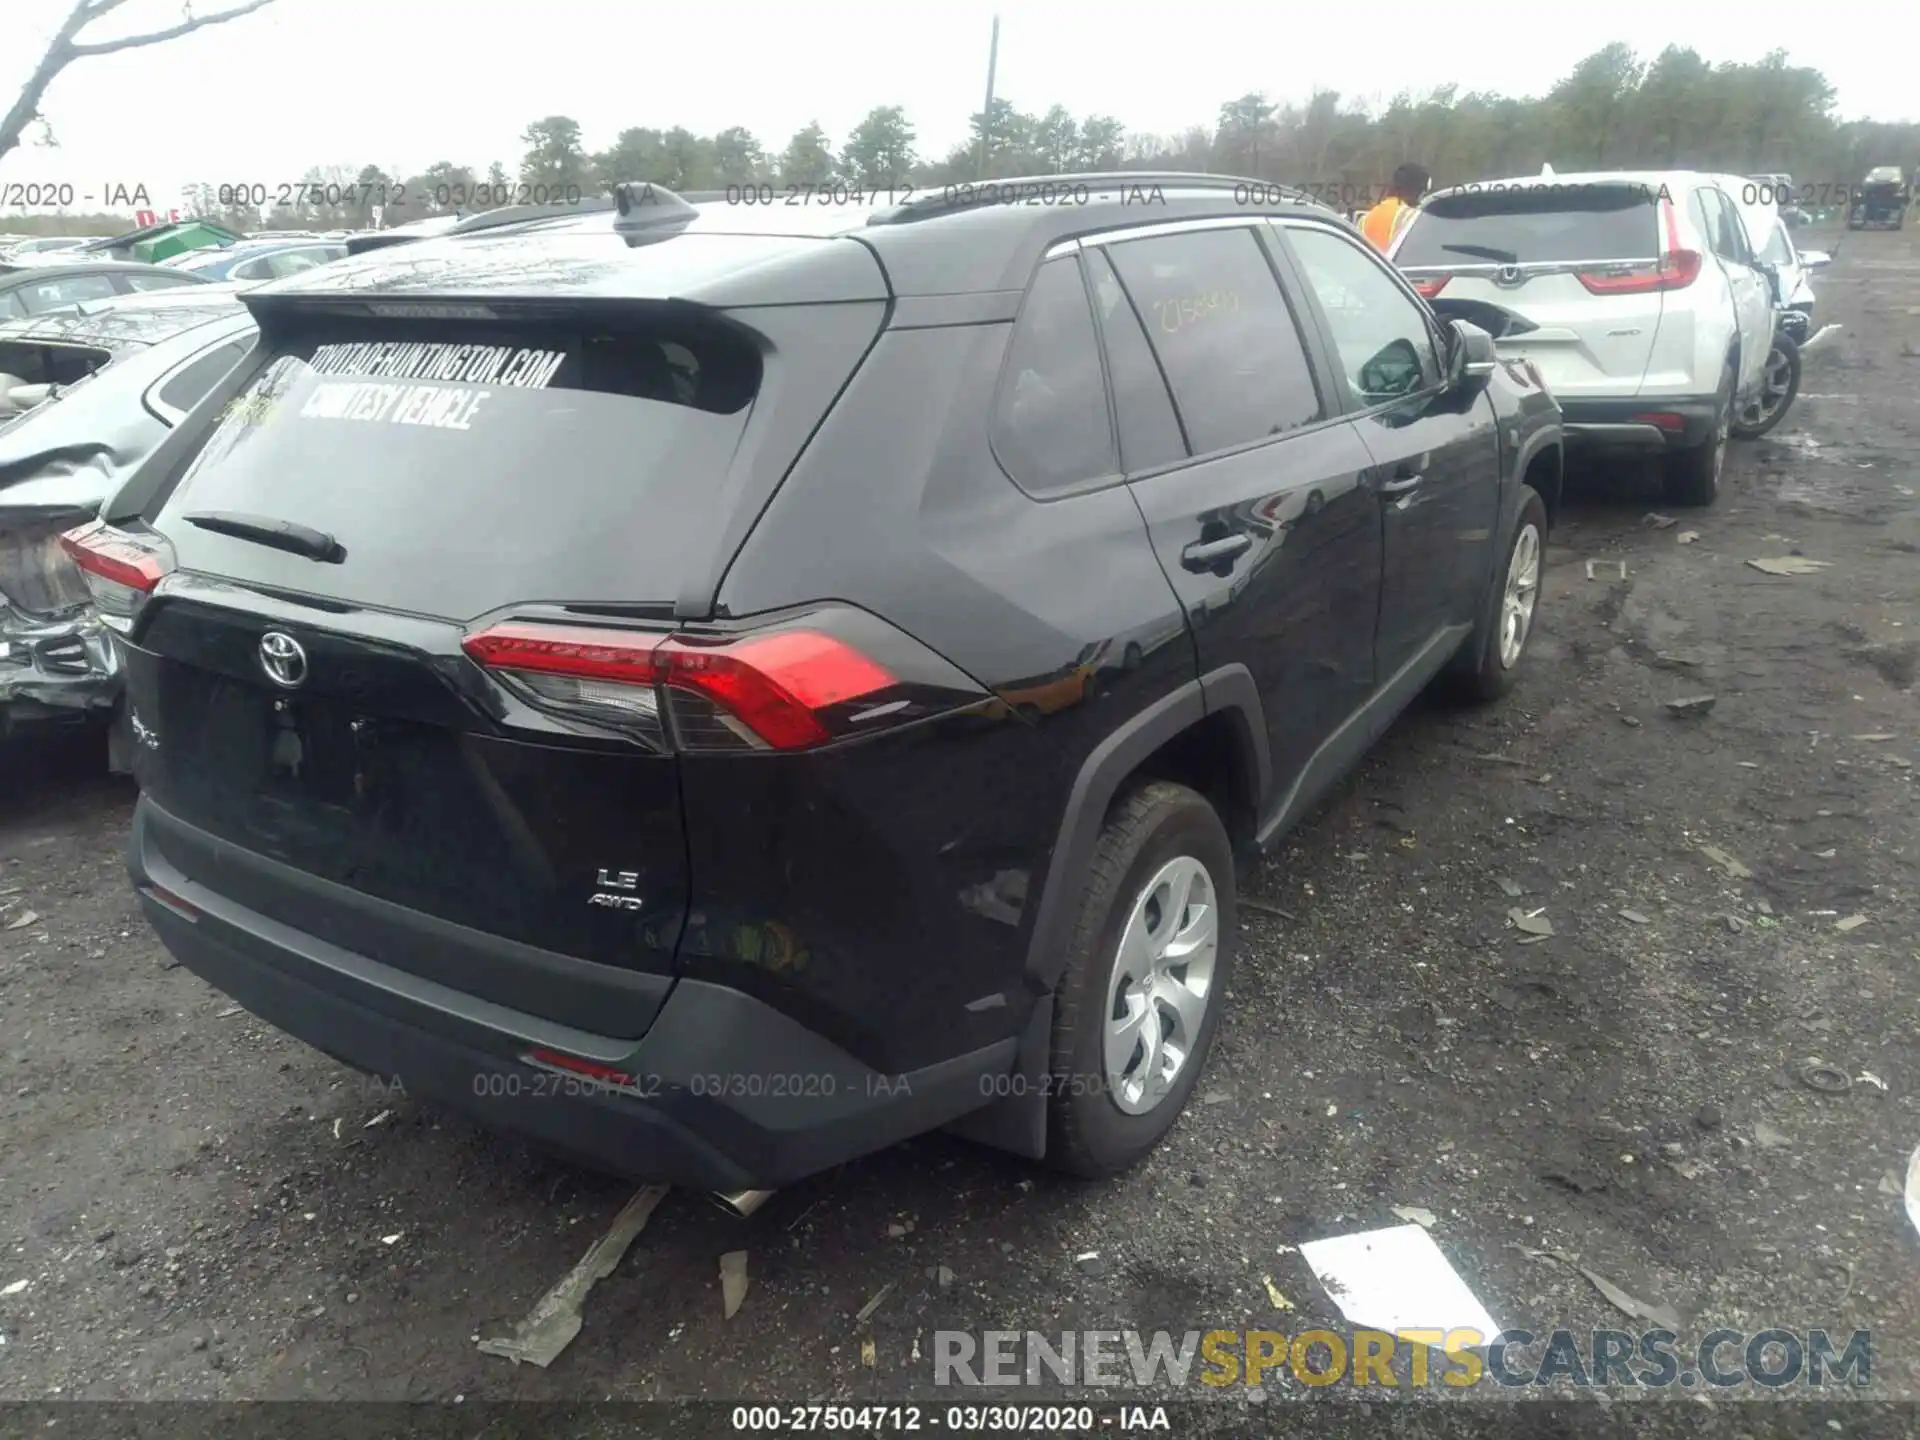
[[719, 689]]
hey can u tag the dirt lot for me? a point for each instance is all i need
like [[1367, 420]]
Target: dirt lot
[[204, 1209]]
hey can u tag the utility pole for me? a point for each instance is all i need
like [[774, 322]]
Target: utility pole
[[986, 114]]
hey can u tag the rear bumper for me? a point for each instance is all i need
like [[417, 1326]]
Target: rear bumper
[[1619, 424], [726, 1092]]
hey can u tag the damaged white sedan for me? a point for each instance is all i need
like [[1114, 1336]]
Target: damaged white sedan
[[86, 394]]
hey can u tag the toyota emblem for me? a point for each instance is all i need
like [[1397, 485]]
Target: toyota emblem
[[283, 660]]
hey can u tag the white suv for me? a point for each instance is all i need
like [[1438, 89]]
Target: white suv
[[1634, 294]]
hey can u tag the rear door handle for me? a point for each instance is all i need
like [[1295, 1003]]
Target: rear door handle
[[1205, 554], [1403, 479]]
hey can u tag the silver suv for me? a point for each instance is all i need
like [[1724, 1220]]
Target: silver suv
[[1634, 294]]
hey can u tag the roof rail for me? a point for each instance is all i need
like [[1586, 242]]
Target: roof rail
[[516, 214], [971, 195]]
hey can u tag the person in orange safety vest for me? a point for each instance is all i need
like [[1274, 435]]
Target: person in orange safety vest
[[1384, 222]]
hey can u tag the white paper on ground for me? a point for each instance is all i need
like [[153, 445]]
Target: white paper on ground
[[1395, 1279]]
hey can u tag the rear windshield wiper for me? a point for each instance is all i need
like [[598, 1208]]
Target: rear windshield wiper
[[1485, 252], [278, 534]]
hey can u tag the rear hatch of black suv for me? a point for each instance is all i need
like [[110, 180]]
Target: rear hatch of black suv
[[343, 588]]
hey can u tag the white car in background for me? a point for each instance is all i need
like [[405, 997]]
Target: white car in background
[[1635, 295]]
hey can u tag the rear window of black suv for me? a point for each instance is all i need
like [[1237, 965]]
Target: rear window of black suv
[[462, 467]]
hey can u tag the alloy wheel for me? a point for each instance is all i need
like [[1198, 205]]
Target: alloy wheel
[[1522, 594], [1161, 984]]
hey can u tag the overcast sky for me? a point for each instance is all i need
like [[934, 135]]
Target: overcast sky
[[402, 83]]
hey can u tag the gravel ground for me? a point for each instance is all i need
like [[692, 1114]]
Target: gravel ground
[[204, 1209]]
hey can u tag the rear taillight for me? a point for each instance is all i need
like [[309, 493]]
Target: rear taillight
[[121, 570], [789, 687], [1675, 270], [1429, 286]]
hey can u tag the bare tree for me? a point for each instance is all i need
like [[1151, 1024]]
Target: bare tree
[[68, 47]]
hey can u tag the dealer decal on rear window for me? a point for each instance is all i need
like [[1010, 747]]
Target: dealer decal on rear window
[[467, 364], [444, 407], [383, 401]]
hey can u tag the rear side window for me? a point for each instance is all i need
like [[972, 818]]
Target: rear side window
[[1547, 224], [11, 306], [1723, 230], [1223, 333], [186, 387], [462, 466], [1149, 430], [1051, 426]]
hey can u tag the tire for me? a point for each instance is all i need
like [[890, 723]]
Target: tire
[[1778, 392], [1485, 667], [1154, 835], [1692, 477]]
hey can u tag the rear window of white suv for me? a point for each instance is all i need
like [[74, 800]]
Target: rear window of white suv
[[1544, 224]]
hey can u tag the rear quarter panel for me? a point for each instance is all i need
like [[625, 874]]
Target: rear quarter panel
[[908, 868]]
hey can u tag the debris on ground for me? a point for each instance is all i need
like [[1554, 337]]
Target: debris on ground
[[1090, 1263], [1510, 888], [1636, 917], [21, 922], [866, 1311], [1827, 1079], [1913, 1189], [1265, 907], [1280, 1302], [1767, 1137], [1664, 1316], [733, 1281], [1688, 537], [229, 1012], [1726, 862], [1789, 565], [1395, 1279], [868, 1356], [1876, 738], [1414, 1215], [1852, 922], [1530, 922], [1691, 705], [555, 1318], [1867, 1077], [1659, 522], [380, 1119], [16, 1287], [1591, 563]]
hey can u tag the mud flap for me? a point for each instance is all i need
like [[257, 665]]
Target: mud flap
[[1017, 1121]]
